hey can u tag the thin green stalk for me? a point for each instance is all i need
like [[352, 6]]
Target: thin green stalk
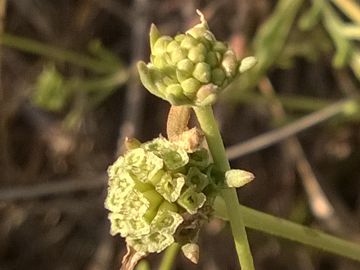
[[350, 8], [209, 126], [351, 31], [143, 265], [268, 45], [345, 51], [291, 102], [36, 47], [292, 231], [101, 87], [167, 261], [277, 135]]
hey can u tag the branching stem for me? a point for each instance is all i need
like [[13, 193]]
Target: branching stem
[[209, 126], [169, 257], [292, 231]]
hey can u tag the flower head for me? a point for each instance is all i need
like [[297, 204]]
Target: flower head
[[153, 189], [190, 68]]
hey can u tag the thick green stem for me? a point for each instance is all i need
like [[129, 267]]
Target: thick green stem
[[289, 230], [167, 261], [209, 126]]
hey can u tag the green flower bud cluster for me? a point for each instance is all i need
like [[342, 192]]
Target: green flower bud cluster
[[189, 69], [153, 189]]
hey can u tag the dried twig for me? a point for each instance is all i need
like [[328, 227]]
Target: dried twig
[[135, 94], [104, 254], [320, 205], [35, 15], [275, 136], [53, 188], [177, 122], [3, 112], [233, 152], [350, 8], [117, 8]]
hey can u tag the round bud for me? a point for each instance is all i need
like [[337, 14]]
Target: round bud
[[190, 87], [197, 54], [161, 45], [194, 61], [218, 76], [188, 42], [229, 63], [247, 63], [178, 55], [172, 46], [202, 72], [186, 65], [212, 59]]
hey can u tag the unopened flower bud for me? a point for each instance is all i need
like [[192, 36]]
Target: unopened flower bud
[[188, 42], [190, 87], [229, 63], [178, 55], [191, 251], [247, 63], [238, 178], [172, 46], [195, 55], [161, 45], [207, 95], [202, 72], [218, 76], [186, 65]]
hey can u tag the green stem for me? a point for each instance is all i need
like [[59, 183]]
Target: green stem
[[143, 265], [350, 8], [169, 257], [351, 31], [289, 230], [36, 47], [209, 126], [291, 102]]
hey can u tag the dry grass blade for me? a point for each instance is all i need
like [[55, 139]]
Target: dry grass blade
[[279, 134], [52, 189]]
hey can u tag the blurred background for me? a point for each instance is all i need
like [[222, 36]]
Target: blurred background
[[69, 94]]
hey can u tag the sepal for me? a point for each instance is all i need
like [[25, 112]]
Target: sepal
[[147, 79]]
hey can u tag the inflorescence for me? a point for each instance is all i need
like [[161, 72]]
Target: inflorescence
[[156, 193], [162, 191], [191, 68]]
